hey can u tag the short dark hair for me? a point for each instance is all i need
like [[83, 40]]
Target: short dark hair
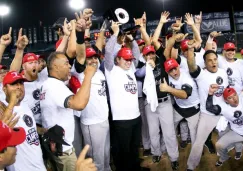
[[51, 58], [208, 52]]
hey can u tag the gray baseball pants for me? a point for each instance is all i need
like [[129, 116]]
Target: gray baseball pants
[[162, 117], [98, 137]]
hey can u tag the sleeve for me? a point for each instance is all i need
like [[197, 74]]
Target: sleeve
[[135, 52], [109, 53], [60, 95], [187, 88], [215, 109], [79, 67], [141, 72], [196, 73]]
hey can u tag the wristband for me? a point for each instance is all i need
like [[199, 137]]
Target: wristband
[[80, 37]]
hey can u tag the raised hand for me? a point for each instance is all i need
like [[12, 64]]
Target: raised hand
[[22, 41], [215, 34], [180, 36], [115, 27], [138, 22], [83, 164], [66, 28], [189, 19], [144, 19], [87, 14], [6, 39], [198, 18], [177, 25], [164, 17], [213, 88]]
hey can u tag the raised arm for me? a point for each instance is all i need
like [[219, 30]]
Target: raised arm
[[198, 21], [190, 58], [109, 48], [22, 42], [190, 22], [142, 23], [215, 109], [100, 42], [175, 49], [4, 42], [211, 36], [71, 46], [63, 45], [163, 19]]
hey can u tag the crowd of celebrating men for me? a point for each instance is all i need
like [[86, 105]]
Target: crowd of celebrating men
[[112, 96]]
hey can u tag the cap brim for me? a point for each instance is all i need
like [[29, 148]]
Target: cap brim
[[149, 52], [18, 79], [56, 139], [18, 136]]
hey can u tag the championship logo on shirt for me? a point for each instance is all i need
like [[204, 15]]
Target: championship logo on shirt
[[231, 81], [131, 87], [239, 120], [229, 71], [36, 109], [220, 91], [219, 80], [102, 91], [36, 94], [28, 120], [32, 137]]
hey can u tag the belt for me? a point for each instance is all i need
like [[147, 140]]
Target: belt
[[68, 152], [163, 99]]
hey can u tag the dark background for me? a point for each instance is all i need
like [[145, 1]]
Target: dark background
[[29, 13]]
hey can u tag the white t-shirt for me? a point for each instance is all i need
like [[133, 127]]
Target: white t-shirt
[[234, 115], [29, 154], [234, 71], [2, 94], [123, 93], [96, 110], [204, 80], [198, 58], [32, 94], [185, 79], [53, 95]]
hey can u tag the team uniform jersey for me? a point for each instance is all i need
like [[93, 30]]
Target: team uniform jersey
[[96, 110], [29, 154], [204, 79], [123, 93], [198, 58], [234, 71], [52, 99], [32, 94], [185, 80]]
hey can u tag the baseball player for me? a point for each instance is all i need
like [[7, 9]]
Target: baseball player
[[232, 110], [204, 78], [185, 93]]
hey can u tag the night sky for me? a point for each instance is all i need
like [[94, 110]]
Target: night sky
[[28, 13]]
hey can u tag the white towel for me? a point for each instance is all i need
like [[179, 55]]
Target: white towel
[[222, 124], [149, 88]]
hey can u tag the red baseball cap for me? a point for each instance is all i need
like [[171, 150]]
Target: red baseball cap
[[90, 52], [148, 49], [125, 53], [11, 137], [28, 57], [241, 52], [170, 64], [228, 92], [11, 77], [184, 45], [229, 45], [140, 42], [58, 43], [3, 67]]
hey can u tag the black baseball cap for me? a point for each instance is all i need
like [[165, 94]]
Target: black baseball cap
[[56, 134]]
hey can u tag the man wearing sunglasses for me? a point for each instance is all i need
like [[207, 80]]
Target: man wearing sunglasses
[[9, 139]]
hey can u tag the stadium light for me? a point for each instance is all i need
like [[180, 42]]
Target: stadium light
[[76, 4], [4, 10]]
